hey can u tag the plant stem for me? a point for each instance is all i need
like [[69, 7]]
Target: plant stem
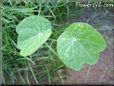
[[88, 71], [51, 49], [33, 72], [30, 60]]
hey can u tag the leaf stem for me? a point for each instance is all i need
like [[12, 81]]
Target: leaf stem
[[30, 60], [88, 71], [33, 73], [51, 49]]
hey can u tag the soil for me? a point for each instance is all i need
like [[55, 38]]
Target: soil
[[103, 71]]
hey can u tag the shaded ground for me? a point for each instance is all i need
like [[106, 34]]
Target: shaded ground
[[103, 71]]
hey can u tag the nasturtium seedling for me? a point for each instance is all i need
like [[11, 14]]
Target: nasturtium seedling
[[32, 31], [80, 44]]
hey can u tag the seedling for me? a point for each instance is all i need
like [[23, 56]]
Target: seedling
[[79, 44]]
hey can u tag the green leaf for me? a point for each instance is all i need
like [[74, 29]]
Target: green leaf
[[32, 32], [80, 44]]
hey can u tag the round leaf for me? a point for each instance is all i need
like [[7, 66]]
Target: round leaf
[[32, 32], [80, 44]]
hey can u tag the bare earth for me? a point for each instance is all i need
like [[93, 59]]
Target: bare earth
[[103, 71]]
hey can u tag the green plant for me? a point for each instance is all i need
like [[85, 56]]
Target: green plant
[[32, 33], [79, 44], [45, 64]]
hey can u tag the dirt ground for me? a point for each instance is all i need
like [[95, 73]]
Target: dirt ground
[[103, 71]]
